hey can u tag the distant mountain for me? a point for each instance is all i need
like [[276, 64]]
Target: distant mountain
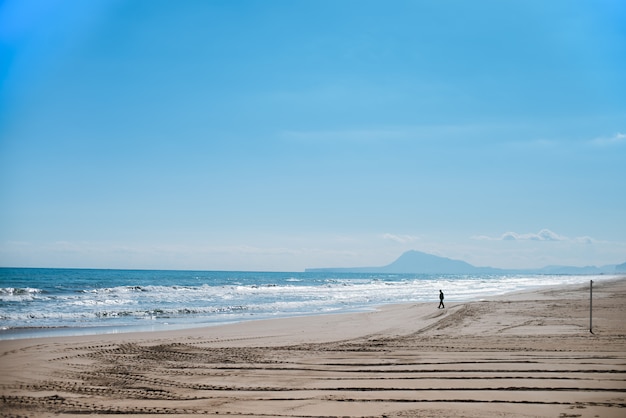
[[420, 262], [416, 262]]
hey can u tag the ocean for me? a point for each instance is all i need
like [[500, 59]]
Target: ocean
[[44, 302]]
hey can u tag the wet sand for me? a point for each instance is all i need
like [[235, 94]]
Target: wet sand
[[521, 355]]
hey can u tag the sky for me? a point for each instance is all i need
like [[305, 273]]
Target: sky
[[279, 135]]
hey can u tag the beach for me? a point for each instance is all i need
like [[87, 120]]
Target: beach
[[526, 354]]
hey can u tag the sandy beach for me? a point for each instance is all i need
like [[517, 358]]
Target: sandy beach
[[522, 355]]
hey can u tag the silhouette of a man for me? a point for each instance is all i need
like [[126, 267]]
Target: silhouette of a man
[[441, 305]]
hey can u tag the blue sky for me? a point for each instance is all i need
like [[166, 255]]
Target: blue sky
[[280, 135]]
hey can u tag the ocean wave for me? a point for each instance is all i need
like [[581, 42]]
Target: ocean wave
[[139, 313], [233, 297], [18, 294], [19, 291]]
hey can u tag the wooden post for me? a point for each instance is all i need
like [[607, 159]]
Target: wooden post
[[590, 306]]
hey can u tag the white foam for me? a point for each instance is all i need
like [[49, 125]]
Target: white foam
[[125, 305]]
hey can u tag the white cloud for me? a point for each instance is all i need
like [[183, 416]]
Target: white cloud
[[402, 239], [543, 235], [546, 235], [618, 138], [585, 240], [385, 133]]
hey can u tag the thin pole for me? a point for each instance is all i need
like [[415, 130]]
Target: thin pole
[[590, 305]]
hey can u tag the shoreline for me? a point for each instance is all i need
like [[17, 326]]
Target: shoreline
[[524, 354], [162, 325]]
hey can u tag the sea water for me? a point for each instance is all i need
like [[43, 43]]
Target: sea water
[[42, 302]]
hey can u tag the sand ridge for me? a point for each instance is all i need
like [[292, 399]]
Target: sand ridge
[[524, 355]]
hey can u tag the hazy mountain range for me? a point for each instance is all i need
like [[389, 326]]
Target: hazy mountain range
[[419, 262]]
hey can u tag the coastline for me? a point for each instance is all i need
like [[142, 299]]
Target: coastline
[[522, 354], [153, 322]]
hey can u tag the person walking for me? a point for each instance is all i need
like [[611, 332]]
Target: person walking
[[441, 305]]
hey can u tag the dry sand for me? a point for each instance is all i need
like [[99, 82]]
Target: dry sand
[[523, 355]]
